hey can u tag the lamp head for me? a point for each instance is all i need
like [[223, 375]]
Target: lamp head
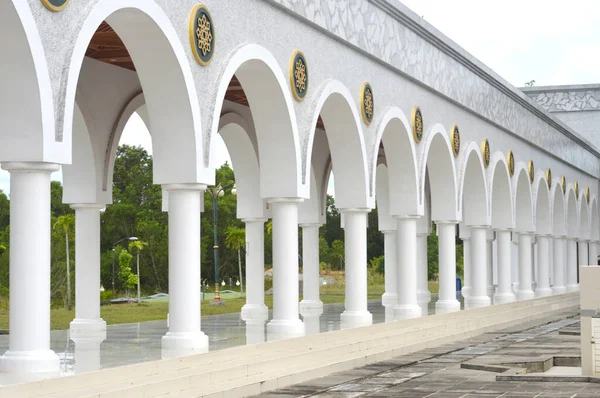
[[223, 283], [133, 238]]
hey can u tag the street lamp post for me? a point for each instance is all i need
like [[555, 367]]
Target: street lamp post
[[215, 192], [131, 238]]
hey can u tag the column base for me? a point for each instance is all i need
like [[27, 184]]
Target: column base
[[309, 306], [525, 295], [424, 309], [183, 344], [281, 329], [491, 290], [312, 322], [355, 319], [255, 312], [389, 314], [255, 332], [389, 299], [445, 306], [543, 292], [477, 302], [559, 289], [87, 329], [572, 288], [465, 291], [407, 311], [503, 298], [42, 361]]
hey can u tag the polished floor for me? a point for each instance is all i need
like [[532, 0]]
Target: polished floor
[[133, 343]]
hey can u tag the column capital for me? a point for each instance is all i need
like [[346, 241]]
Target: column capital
[[406, 216], [310, 225], [446, 222], [184, 187], [502, 230], [525, 233], [583, 240], [559, 237], [389, 231], [249, 220], [91, 206], [284, 200], [486, 227], [24, 167], [544, 235]]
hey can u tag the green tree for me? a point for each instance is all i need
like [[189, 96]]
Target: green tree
[[235, 239], [64, 224], [128, 278], [336, 254], [138, 246]]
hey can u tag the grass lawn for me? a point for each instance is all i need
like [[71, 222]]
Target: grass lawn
[[157, 309]]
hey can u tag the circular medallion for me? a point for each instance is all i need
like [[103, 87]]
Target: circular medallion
[[417, 124], [510, 159], [531, 170], [549, 177], [367, 104], [485, 152], [455, 140], [202, 34], [55, 5], [563, 183], [576, 189], [587, 195], [298, 75]]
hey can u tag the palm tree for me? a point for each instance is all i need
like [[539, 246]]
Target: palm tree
[[138, 245], [235, 238], [64, 223]]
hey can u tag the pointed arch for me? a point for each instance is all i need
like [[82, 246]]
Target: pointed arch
[[541, 200], [165, 76], [335, 105], [437, 163], [500, 193], [558, 208], [584, 217], [572, 213], [386, 221], [594, 221], [473, 194], [27, 124], [394, 133], [274, 119], [523, 200]]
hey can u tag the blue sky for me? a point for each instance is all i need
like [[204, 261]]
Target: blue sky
[[552, 42]]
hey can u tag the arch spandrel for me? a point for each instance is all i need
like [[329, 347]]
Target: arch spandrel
[[500, 192], [166, 78], [558, 209], [270, 102], [27, 119], [473, 192], [437, 163], [541, 204], [335, 105], [403, 179], [522, 199]]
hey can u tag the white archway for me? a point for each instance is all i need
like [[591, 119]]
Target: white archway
[[500, 193], [523, 200], [572, 213], [274, 119], [543, 219], [559, 225], [166, 79], [402, 177], [336, 108], [473, 195]]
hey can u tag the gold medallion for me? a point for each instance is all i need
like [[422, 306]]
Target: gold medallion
[[485, 152], [510, 159], [455, 140], [367, 103], [531, 170], [417, 124]]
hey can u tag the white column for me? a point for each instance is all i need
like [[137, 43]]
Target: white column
[[311, 302], [559, 266], [255, 332], [255, 308], [447, 301], [407, 306], [504, 293], [490, 289], [543, 283], [286, 322], [583, 258], [423, 294], [87, 354], [355, 233], [572, 285], [525, 291], [184, 336], [389, 299], [514, 262], [29, 319], [593, 253], [467, 268], [87, 322], [478, 296]]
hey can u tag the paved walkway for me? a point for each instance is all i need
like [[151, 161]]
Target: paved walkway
[[438, 372]]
